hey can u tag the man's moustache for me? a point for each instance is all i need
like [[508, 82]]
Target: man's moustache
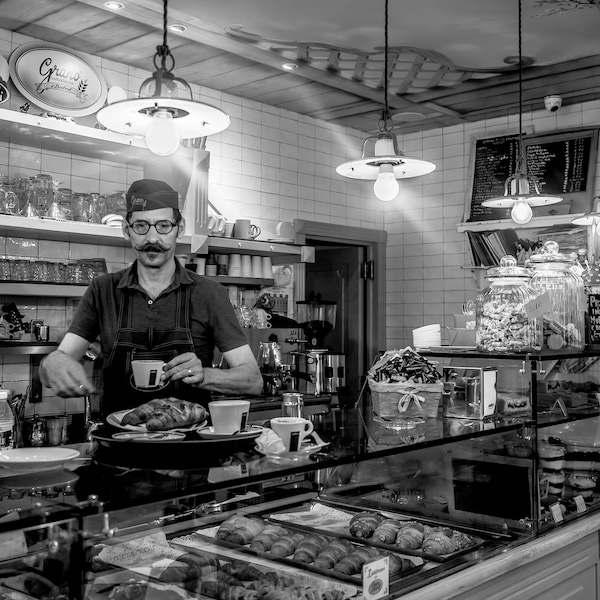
[[151, 248]]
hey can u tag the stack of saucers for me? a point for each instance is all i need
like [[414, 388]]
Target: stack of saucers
[[427, 336], [112, 220]]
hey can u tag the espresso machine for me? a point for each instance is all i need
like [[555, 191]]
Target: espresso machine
[[317, 370]]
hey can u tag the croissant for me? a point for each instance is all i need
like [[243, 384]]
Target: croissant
[[309, 548], [439, 541], [310, 593], [177, 413], [143, 412], [286, 546], [353, 562], [199, 559], [462, 540], [265, 539], [230, 525], [363, 524], [245, 533], [242, 571], [387, 531], [224, 591], [398, 564], [332, 553], [410, 536]]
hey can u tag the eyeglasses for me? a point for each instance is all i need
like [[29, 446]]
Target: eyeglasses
[[143, 227]]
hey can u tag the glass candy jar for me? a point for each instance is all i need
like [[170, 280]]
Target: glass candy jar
[[558, 275], [502, 323]]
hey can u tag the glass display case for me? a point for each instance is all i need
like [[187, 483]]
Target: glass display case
[[215, 518]]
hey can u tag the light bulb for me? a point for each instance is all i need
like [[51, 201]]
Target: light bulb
[[162, 137], [521, 212], [386, 187]]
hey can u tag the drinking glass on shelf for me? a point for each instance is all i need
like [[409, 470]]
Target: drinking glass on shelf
[[82, 207], [65, 200]]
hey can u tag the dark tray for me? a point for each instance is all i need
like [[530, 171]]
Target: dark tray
[[478, 541], [352, 579], [192, 452]]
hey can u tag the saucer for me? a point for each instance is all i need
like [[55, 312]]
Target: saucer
[[208, 433], [291, 457]]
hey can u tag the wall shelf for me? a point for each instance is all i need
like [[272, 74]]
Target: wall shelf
[[281, 253], [243, 281], [44, 290], [30, 348], [535, 223]]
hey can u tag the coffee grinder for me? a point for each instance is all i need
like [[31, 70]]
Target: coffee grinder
[[316, 370]]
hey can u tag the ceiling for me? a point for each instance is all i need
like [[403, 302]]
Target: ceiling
[[447, 58]]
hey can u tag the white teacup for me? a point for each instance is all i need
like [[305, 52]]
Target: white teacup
[[146, 373], [292, 431], [229, 416]]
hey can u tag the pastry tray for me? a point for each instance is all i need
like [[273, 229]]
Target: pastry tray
[[476, 538], [208, 537]]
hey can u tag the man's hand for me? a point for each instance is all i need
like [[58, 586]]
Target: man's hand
[[65, 375], [187, 367]]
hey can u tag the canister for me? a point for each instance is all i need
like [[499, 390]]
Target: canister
[[557, 275], [292, 405], [502, 320]]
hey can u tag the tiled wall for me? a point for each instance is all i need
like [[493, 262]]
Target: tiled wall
[[273, 165]]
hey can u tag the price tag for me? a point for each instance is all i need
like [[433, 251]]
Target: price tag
[[376, 578], [556, 511], [538, 306], [580, 504]]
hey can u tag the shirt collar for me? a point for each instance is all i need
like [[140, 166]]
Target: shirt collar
[[130, 278]]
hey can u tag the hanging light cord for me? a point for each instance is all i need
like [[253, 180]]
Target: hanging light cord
[[162, 52], [521, 161], [385, 113]]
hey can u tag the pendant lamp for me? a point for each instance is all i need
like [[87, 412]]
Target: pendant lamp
[[517, 188], [4, 74], [381, 159], [165, 111]]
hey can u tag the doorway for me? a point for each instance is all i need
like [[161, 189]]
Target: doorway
[[349, 269]]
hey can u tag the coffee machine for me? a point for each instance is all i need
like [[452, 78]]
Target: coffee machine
[[316, 370]]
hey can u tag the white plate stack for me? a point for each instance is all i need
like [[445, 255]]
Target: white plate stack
[[427, 336]]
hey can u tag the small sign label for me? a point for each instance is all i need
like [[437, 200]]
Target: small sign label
[[538, 306], [556, 511], [376, 578], [594, 318], [580, 504]]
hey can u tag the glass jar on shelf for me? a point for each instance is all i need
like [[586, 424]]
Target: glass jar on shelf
[[502, 322], [116, 204], [9, 200], [558, 275], [65, 200], [82, 203]]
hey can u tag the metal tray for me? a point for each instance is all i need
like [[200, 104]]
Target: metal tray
[[330, 573], [478, 541]]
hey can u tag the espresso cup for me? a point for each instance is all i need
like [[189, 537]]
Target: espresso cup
[[146, 373], [292, 431], [229, 416], [244, 230]]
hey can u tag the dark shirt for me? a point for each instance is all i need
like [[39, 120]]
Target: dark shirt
[[212, 319]]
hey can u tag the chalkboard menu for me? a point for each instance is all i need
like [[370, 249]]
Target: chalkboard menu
[[593, 319], [563, 163]]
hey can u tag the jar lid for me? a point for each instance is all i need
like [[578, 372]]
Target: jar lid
[[550, 254], [508, 268]]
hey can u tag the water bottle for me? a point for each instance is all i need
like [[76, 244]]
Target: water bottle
[[7, 422]]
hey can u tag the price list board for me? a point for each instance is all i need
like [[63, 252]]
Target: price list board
[[563, 164]]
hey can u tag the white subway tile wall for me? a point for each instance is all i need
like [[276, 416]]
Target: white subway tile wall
[[273, 165]]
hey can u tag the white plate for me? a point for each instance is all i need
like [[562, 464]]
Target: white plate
[[292, 457], [36, 459], [115, 419], [149, 436], [208, 433]]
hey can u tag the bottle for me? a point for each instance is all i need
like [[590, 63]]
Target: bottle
[[7, 422]]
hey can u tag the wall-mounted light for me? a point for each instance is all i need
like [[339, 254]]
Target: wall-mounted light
[[165, 111]]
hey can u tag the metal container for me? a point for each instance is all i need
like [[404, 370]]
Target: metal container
[[292, 405], [334, 372], [469, 392]]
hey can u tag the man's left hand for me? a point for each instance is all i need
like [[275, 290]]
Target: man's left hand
[[185, 367]]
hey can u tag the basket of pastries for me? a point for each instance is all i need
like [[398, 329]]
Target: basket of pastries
[[405, 384]]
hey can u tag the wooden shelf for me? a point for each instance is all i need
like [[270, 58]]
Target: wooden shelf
[[46, 133], [243, 281], [281, 253], [535, 223]]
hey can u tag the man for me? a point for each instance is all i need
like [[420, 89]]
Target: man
[[154, 309]]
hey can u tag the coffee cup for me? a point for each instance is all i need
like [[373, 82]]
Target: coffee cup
[[229, 416], [245, 230], [146, 373], [292, 431]]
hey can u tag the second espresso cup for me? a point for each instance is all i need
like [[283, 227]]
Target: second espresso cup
[[146, 373], [292, 431], [229, 416]]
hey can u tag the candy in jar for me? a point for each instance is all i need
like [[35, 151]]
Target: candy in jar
[[502, 322]]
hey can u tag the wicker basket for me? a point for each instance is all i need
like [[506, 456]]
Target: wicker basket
[[404, 399]]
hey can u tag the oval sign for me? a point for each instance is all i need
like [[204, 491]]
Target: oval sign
[[57, 79]]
